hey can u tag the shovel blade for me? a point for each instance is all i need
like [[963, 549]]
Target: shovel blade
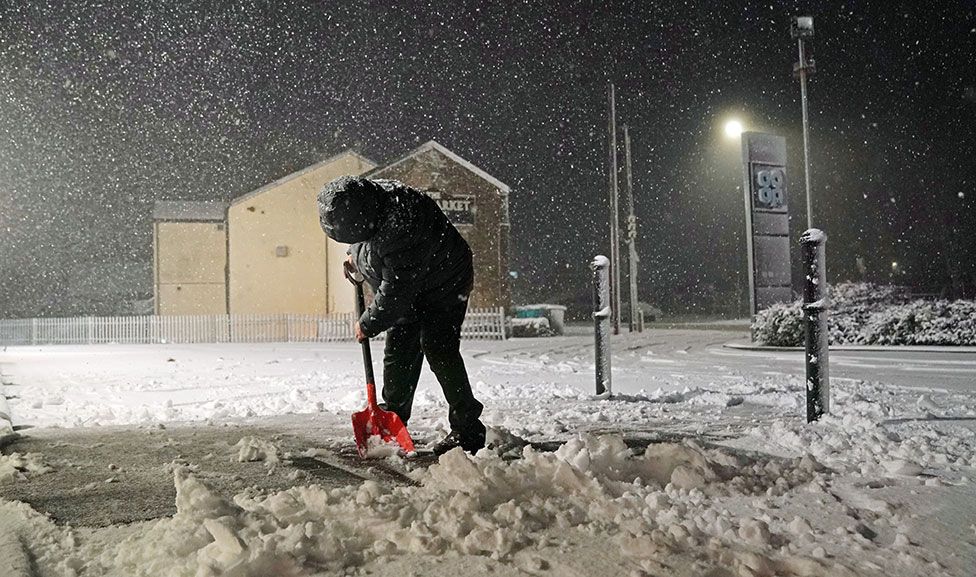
[[387, 425]]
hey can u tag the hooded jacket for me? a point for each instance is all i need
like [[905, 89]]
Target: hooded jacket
[[401, 241]]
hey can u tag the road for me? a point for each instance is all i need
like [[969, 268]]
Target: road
[[930, 370], [665, 355]]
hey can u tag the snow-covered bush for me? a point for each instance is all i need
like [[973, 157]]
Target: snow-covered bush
[[863, 313], [920, 322], [779, 326], [852, 304]]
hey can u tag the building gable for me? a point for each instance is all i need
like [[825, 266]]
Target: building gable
[[274, 233], [350, 156], [474, 201], [435, 147]]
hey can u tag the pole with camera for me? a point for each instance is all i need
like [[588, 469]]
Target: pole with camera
[[802, 29]]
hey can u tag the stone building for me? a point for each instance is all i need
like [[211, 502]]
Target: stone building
[[477, 204]]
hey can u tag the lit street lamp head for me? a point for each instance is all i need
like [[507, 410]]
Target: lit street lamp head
[[733, 129]]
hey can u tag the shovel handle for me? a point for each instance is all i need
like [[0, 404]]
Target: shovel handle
[[367, 356]]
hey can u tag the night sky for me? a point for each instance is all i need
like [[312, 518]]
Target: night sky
[[108, 106]]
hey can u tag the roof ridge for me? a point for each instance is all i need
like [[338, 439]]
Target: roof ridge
[[298, 173], [433, 144]]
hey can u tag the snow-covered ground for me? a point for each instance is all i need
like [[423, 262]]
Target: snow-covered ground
[[735, 483]]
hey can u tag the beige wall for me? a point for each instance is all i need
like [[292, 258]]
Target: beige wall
[[190, 268], [306, 280], [342, 295]]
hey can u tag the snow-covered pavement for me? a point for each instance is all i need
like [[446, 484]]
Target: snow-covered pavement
[[135, 384], [733, 481]]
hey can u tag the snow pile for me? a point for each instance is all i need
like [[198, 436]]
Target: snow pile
[[377, 448], [6, 428], [664, 502], [17, 466], [252, 448], [726, 395], [504, 442], [867, 314], [862, 435]]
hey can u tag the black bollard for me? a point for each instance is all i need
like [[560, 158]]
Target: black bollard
[[815, 311], [601, 322]]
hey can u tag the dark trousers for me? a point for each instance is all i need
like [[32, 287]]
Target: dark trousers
[[436, 334]]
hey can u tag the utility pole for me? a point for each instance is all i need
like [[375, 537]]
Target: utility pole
[[632, 240], [801, 29], [614, 215]]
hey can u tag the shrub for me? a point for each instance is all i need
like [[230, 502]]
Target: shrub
[[920, 322], [863, 313], [781, 325]]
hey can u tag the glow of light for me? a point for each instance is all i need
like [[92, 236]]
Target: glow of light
[[733, 129]]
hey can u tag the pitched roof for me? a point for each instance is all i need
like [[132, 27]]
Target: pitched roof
[[434, 145], [189, 211], [300, 173]]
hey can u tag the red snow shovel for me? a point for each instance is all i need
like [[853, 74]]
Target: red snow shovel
[[374, 421]]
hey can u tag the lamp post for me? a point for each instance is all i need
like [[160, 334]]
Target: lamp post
[[614, 217], [802, 29]]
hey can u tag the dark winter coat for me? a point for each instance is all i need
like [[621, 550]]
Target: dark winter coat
[[411, 255]]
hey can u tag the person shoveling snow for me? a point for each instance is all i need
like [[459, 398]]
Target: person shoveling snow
[[421, 272]]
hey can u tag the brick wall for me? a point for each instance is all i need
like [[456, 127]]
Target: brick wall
[[479, 210]]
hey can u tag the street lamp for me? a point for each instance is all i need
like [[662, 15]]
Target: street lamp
[[802, 29], [733, 129]]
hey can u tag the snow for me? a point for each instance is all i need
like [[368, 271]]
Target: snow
[[863, 313], [671, 500], [255, 449], [816, 305], [740, 485], [377, 448], [814, 235], [17, 466], [121, 385]]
